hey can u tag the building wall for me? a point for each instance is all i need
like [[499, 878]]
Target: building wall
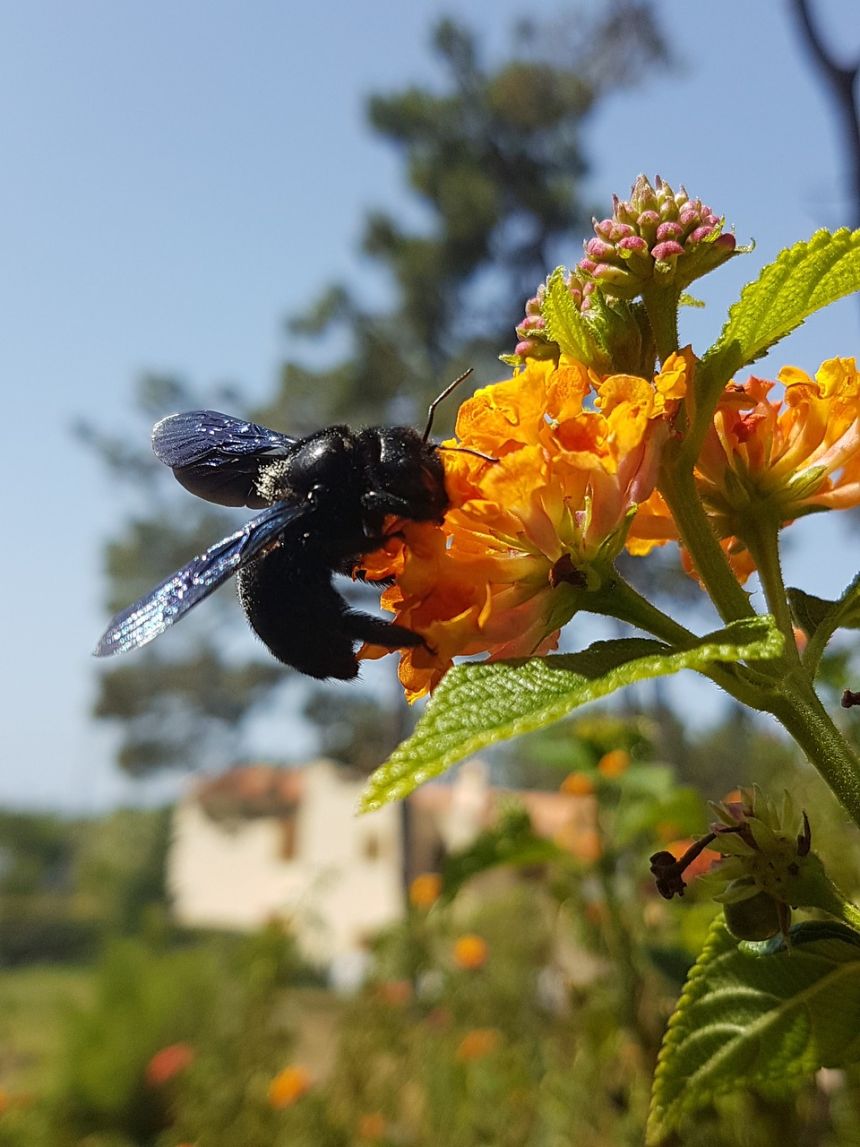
[[333, 875]]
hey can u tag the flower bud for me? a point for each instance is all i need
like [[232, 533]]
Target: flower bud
[[657, 235], [768, 867]]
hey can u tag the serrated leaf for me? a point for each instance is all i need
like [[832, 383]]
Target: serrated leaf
[[567, 327], [758, 1016], [481, 703], [801, 280]]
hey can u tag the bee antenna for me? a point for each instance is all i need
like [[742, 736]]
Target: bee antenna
[[440, 398], [467, 450]]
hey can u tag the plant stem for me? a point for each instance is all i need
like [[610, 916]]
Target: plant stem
[[798, 708], [627, 604], [791, 699], [622, 951], [697, 536], [761, 540], [661, 306]]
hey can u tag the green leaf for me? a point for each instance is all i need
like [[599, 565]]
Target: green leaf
[[807, 610], [512, 841], [567, 327], [801, 280], [760, 1016], [820, 618], [481, 703]]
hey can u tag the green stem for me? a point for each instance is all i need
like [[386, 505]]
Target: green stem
[[621, 949], [798, 708], [621, 600], [678, 487], [761, 540], [661, 306], [813, 888]]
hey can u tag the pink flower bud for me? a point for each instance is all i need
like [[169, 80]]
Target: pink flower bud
[[531, 323], [668, 231], [598, 249], [633, 243], [665, 251]]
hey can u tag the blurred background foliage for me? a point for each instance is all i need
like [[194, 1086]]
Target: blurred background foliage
[[521, 999]]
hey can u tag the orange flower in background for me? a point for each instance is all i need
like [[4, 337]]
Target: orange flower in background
[[478, 1043], [470, 952], [582, 843], [371, 1126], [289, 1086], [425, 890], [614, 763], [397, 993], [168, 1062], [701, 864], [575, 454], [781, 458], [577, 785]]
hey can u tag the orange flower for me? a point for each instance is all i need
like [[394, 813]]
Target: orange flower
[[478, 1043], [397, 993], [577, 785], [582, 843], [425, 890], [168, 1062], [470, 951], [781, 459], [527, 534], [289, 1086], [371, 1126], [614, 763]]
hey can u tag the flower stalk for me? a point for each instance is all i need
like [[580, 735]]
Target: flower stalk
[[696, 533]]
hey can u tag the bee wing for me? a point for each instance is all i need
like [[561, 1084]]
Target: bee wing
[[161, 607], [216, 456]]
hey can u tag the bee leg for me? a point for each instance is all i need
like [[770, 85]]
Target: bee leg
[[375, 631]]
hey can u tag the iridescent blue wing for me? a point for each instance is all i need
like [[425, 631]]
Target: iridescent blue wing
[[164, 605], [216, 456]]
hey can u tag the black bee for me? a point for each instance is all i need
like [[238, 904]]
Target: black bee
[[326, 499]]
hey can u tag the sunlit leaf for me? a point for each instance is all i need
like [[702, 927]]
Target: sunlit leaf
[[801, 280], [481, 703]]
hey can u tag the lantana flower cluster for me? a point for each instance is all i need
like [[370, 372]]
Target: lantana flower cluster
[[570, 457], [554, 471]]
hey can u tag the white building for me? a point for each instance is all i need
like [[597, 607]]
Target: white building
[[261, 843]]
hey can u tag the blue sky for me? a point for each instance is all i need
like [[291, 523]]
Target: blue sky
[[178, 178]]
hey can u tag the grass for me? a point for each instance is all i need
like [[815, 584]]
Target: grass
[[33, 1001]]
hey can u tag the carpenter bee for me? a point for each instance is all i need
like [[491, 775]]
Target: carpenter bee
[[325, 500]]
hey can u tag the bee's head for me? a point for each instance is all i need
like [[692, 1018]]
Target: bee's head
[[403, 465]]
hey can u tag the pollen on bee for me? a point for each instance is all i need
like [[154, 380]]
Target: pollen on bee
[[272, 483]]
